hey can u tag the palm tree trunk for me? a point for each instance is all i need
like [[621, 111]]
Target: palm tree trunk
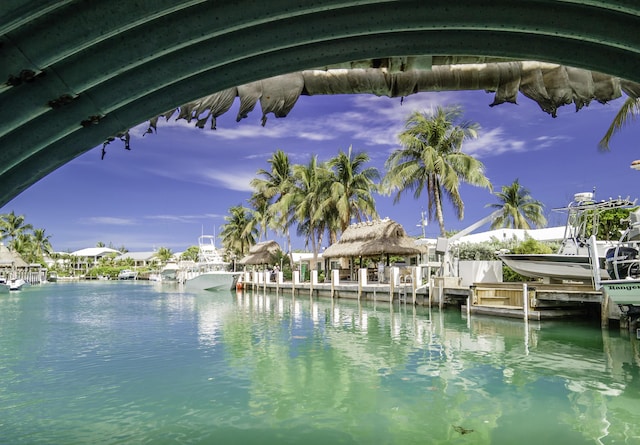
[[439, 214]]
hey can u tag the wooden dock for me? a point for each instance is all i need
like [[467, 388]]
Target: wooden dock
[[523, 300]]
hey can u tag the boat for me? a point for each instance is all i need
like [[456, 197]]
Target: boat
[[623, 266], [211, 272], [4, 287], [170, 272], [572, 261], [16, 283], [127, 274]]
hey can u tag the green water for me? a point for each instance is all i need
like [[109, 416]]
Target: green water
[[142, 363]]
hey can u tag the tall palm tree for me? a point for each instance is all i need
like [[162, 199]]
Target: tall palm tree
[[432, 159], [239, 232], [351, 187], [306, 199], [274, 184], [262, 213], [519, 209], [12, 225], [628, 111]]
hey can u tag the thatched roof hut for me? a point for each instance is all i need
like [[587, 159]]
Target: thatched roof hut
[[261, 253], [10, 259], [373, 238]]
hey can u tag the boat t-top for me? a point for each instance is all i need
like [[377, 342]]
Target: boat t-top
[[572, 261]]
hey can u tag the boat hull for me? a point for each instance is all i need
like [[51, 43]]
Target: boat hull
[[212, 281], [556, 267], [623, 292], [16, 284]]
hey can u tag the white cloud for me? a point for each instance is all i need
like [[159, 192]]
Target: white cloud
[[109, 220], [239, 181], [180, 218], [493, 142]]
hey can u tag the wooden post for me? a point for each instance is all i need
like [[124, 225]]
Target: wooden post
[[604, 310], [362, 281], [295, 279], [525, 301], [416, 276], [314, 281], [335, 279]]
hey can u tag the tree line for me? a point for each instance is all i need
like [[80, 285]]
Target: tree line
[[320, 199]]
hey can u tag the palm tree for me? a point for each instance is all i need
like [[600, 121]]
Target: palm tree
[[191, 254], [273, 184], [164, 254], [13, 225], [239, 233], [351, 186], [519, 209], [432, 159], [629, 110], [23, 245], [41, 243], [262, 213], [306, 197]]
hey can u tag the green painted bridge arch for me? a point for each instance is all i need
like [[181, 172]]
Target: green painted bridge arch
[[77, 72]]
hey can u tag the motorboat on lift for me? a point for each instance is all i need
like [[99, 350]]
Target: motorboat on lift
[[623, 266], [572, 261], [211, 272]]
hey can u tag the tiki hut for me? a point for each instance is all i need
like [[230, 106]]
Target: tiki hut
[[261, 254], [10, 262], [373, 239]]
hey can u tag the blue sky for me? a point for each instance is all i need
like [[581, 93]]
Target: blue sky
[[180, 182]]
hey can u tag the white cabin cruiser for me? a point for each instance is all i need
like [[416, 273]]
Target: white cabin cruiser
[[211, 272]]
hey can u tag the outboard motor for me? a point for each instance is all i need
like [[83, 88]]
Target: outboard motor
[[622, 262]]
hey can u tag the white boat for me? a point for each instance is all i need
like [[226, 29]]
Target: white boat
[[170, 272], [211, 272], [16, 283], [623, 266], [127, 274], [4, 287], [572, 262]]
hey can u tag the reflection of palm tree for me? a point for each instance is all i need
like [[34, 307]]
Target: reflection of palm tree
[[432, 159], [519, 209], [629, 110]]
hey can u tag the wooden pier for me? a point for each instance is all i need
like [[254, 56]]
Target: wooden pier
[[523, 300]]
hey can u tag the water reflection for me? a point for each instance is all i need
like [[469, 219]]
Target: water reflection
[[408, 370], [136, 363]]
